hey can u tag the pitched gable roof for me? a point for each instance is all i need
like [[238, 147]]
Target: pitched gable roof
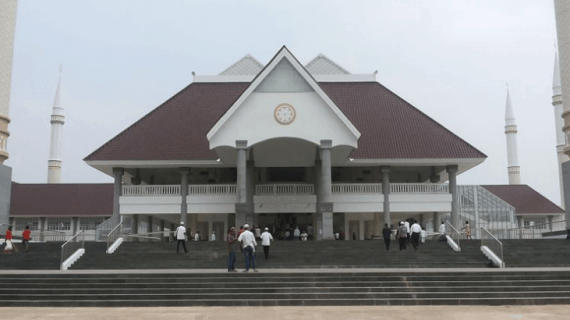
[[323, 65], [524, 198], [391, 128], [247, 65]]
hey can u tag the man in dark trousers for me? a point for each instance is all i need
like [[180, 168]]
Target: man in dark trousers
[[402, 235], [387, 233], [180, 235]]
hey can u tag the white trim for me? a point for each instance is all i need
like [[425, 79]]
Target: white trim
[[345, 77], [322, 56], [154, 163], [416, 162], [71, 260], [221, 78], [283, 54], [318, 78]]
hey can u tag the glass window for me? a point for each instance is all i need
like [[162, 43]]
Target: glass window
[[59, 224]]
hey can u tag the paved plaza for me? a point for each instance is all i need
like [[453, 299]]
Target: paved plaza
[[296, 313]]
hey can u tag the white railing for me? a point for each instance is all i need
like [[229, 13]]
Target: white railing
[[356, 188], [72, 245], [454, 234], [419, 188], [152, 190], [114, 235], [212, 189], [285, 188], [538, 231], [490, 241]]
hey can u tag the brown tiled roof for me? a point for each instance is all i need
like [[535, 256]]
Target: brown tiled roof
[[524, 198], [61, 200], [391, 128]]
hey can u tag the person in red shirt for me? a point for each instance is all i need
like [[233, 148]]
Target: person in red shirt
[[8, 241], [26, 237]]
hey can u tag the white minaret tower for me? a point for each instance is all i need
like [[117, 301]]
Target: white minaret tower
[[558, 122], [8, 10], [57, 121], [512, 151]]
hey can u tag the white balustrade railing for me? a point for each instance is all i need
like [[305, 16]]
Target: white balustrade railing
[[152, 190], [419, 188], [285, 188], [356, 188], [212, 189]]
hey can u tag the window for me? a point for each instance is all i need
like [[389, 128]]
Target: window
[[59, 224], [21, 223], [89, 223]]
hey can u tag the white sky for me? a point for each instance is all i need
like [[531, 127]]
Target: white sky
[[448, 58]]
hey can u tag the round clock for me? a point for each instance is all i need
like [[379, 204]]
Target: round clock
[[285, 113]]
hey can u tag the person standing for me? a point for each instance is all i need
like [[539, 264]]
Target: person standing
[[248, 242], [232, 246], [387, 234], [26, 237], [266, 239], [304, 236], [180, 237], [197, 236], [213, 236], [257, 233], [310, 231], [296, 234], [402, 235], [415, 229]]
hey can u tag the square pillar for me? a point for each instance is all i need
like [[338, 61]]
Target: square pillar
[[149, 228], [118, 191], [42, 228], [326, 207], [318, 217], [436, 222], [184, 194], [250, 190], [386, 192], [241, 203], [452, 172], [75, 225]]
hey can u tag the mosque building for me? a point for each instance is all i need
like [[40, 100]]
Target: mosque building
[[274, 145]]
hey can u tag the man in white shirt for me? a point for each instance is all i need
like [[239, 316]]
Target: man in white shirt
[[266, 239], [257, 233], [197, 236], [442, 229], [407, 225], [296, 234], [213, 236], [248, 241], [180, 234], [415, 229]]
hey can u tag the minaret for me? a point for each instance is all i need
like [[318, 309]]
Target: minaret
[[512, 151], [558, 122], [57, 121], [7, 29]]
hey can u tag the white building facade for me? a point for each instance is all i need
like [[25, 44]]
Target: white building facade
[[283, 145]]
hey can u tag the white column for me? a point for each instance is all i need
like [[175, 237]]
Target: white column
[[241, 204], [57, 122], [118, 174], [512, 149]]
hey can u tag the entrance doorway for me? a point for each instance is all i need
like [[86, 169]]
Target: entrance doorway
[[353, 229]]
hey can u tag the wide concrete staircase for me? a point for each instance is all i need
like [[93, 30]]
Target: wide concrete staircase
[[290, 254], [40, 256], [536, 253], [486, 287]]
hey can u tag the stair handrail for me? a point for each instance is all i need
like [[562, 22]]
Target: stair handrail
[[454, 234], [490, 241], [72, 245], [530, 232], [114, 235], [148, 235]]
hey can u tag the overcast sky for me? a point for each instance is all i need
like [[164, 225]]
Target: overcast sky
[[121, 59]]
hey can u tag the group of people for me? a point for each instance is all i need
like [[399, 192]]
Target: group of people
[[408, 231], [297, 235], [10, 246], [245, 240]]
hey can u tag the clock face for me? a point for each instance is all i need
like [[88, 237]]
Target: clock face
[[285, 113]]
